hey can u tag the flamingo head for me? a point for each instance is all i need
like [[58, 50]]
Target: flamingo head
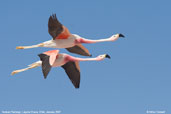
[[119, 36], [102, 57]]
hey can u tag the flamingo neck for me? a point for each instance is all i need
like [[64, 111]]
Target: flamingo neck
[[71, 58], [83, 40]]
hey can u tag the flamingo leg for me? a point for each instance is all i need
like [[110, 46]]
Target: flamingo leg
[[34, 65], [32, 46]]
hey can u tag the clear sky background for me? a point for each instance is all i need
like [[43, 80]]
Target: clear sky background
[[136, 79]]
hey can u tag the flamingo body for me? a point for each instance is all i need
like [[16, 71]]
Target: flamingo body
[[62, 38], [71, 41], [69, 63], [60, 60]]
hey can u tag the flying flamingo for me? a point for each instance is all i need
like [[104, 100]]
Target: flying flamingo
[[69, 63], [62, 38]]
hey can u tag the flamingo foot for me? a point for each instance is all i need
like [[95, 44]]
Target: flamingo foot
[[15, 72], [19, 47]]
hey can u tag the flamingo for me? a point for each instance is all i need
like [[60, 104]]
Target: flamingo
[[69, 63], [62, 38]]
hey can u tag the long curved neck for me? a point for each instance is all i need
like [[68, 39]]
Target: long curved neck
[[84, 40], [71, 58]]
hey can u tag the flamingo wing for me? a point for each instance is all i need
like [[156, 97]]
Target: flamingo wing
[[46, 67], [79, 49], [56, 29], [72, 69]]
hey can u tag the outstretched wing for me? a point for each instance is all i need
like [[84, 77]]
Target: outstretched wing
[[73, 71], [45, 64], [56, 29], [79, 49]]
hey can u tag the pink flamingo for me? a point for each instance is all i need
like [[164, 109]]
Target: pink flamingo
[[62, 38], [69, 63]]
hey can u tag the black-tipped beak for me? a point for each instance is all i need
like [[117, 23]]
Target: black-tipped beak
[[107, 56], [121, 35]]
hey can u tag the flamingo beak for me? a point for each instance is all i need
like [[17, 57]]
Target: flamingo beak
[[107, 56], [121, 35]]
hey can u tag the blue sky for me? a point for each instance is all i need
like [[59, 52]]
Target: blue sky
[[135, 80]]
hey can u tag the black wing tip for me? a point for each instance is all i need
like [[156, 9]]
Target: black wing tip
[[42, 56], [53, 16], [77, 50], [76, 84], [39, 54], [54, 26], [45, 76], [46, 72], [77, 87], [87, 54], [45, 64], [73, 76]]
